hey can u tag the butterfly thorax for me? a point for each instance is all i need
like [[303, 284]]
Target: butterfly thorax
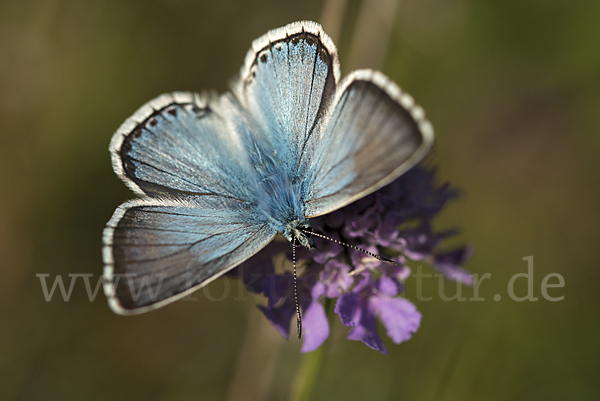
[[280, 202]]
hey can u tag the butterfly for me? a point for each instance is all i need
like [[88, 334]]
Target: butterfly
[[220, 176]]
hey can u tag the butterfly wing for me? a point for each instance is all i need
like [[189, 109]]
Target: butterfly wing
[[287, 84], [198, 223], [157, 250], [373, 134], [343, 141], [179, 144]]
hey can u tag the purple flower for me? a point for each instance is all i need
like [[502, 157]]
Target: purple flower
[[335, 278], [370, 298], [396, 220], [316, 326]]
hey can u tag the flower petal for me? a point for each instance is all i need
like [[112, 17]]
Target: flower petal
[[335, 278], [386, 286], [449, 263], [326, 249], [399, 316], [315, 327], [347, 307], [280, 317], [366, 331]]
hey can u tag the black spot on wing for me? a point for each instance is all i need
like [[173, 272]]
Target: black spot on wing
[[324, 55], [295, 39]]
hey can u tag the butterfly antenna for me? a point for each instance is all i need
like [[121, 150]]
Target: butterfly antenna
[[378, 257], [298, 316]]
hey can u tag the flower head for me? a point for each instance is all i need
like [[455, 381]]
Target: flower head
[[396, 219]]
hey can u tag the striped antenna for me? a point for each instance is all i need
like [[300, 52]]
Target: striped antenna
[[378, 257], [298, 316]]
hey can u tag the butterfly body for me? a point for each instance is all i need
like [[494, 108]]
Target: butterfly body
[[220, 176], [279, 200]]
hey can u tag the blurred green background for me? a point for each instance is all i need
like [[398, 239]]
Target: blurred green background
[[513, 90]]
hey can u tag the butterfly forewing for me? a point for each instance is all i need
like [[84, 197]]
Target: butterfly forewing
[[178, 144], [287, 84]]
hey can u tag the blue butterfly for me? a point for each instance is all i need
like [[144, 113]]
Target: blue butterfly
[[220, 176]]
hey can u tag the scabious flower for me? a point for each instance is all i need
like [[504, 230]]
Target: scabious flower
[[396, 220]]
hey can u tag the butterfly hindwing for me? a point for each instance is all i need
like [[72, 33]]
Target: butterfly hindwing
[[158, 250]]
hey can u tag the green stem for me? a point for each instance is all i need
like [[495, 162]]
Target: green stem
[[306, 375]]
